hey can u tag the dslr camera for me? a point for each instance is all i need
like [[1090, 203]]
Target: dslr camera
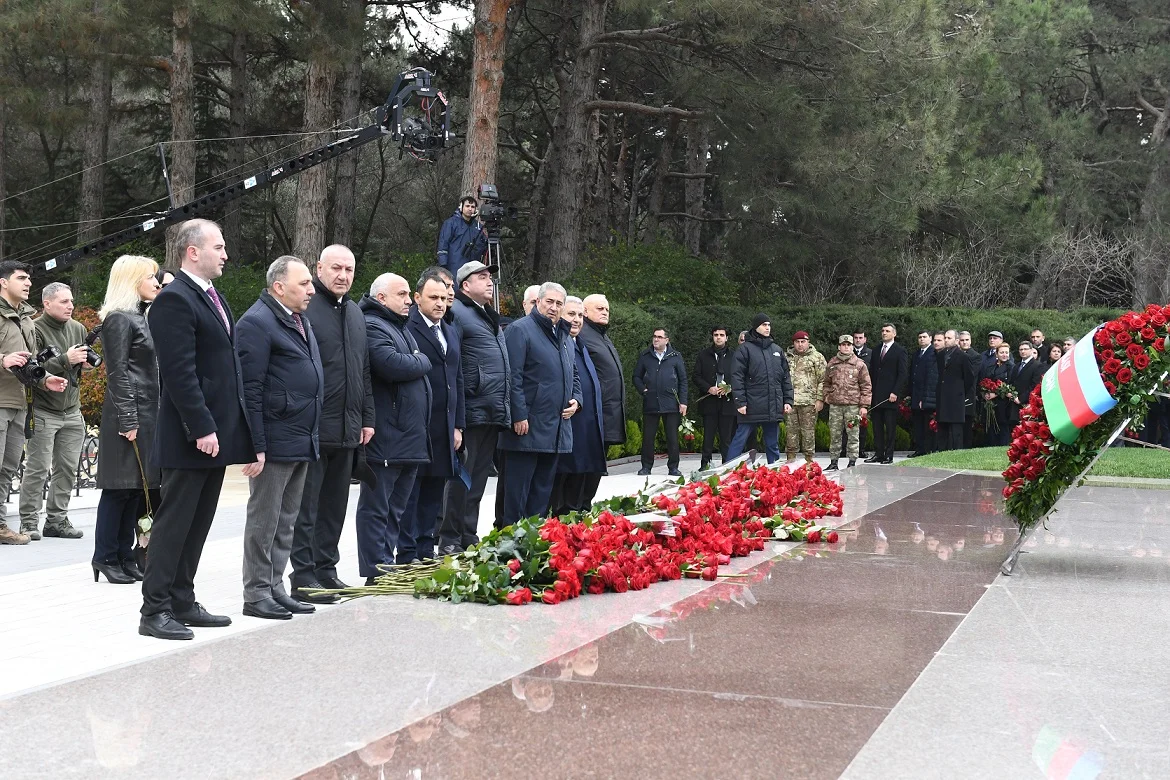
[[91, 355], [33, 372]]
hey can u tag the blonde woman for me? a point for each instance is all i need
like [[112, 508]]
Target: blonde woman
[[128, 417]]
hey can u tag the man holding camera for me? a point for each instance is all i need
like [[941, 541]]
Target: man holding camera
[[58, 427], [462, 238], [17, 343]]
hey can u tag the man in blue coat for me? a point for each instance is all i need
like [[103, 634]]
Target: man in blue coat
[[546, 393], [402, 410], [579, 473], [439, 343], [923, 383], [284, 385], [462, 238]]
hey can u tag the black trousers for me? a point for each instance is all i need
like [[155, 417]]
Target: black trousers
[[181, 524], [529, 477], [968, 434], [461, 513], [721, 425], [573, 493], [885, 426], [501, 486], [118, 511], [322, 517], [950, 435], [420, 522], [650, 431], [924, 438]]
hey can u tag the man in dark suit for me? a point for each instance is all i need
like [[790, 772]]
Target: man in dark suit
[[283, 387], [202, 428], [975, 359], [579, 472], [955, 377], [988, 361], [887, 372], [439, 342], [712, 368], [923, 385], [1024, 376]]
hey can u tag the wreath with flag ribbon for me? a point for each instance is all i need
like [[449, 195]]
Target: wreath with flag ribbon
[[1109, 377]]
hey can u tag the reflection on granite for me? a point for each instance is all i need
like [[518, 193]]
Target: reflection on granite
[[1058, 671], [783, 672]]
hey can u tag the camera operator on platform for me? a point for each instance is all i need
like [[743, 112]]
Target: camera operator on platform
[[462, 237], [59, 428], [17, 342]]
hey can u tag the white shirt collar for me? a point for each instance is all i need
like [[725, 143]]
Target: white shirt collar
[[204, 284]]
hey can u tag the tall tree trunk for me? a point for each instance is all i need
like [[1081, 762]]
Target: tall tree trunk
[[313, 184], [3, 159], [568, 181], [345, 191], [1152, 277], [635, 187], [181, 156], [95, 144], [487, 82], [537, 233], [698, 146], [237, 127], [658, 188]]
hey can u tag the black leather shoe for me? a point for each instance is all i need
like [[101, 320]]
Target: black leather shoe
[[886, 461], [200, 618], [317, 598], [852, 462], [873, 459], [371, 581], [293, 606], [674, 473], [332, 583], [832, 465], [131, 569], [164, 626], [267, 609], [643, 472]]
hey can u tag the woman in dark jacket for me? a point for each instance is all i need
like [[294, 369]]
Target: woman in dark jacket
[[126, 466], [1000, 433], [762, 388]]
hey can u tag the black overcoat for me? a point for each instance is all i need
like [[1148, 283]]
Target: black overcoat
[[954, 381], [544, 380], [612, 377], [760, 380], [131, 402], [446, 380]]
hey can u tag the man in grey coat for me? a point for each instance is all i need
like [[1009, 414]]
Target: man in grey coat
[[546, 393], [608, 365], [487, 391]]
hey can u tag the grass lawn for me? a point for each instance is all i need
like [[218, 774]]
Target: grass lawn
[[1117, 462]]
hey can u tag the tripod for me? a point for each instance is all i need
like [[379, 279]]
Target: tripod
[[495, 256]]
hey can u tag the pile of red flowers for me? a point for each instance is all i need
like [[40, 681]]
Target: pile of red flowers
[[712, 522], [1131, 355]]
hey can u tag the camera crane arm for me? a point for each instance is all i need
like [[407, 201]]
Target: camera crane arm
[[422, 137]]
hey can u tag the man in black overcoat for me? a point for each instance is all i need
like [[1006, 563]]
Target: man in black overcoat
[[888, 374], [955, 377], [202, 428], [439, 342], [712, 368]]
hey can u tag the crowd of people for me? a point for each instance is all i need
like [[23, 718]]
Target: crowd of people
[[417, 390]]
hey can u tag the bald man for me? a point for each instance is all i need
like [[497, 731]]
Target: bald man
[[608, 366], [402, 410], [347, 422]]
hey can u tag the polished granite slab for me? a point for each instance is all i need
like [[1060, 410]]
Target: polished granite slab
[[1060, 670], [281, 700]]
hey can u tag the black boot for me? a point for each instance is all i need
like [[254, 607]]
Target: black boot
[[852, 463], [832, 465]]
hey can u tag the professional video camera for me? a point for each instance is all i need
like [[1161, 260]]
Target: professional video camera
[[493, 211], [33, 372]]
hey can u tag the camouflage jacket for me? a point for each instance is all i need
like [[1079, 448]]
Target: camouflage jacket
[[847, 382], [808, 374]]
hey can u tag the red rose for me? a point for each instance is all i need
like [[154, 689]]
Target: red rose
[[1007, 491], [1112, 366], [1123, 339], [1157, 319], [1110, 388], [620, 585], [1124, 375], [1103, 338], [1114, 326], [513, 565], [1107, 354], [550, 597], [709, 573], [813, 537], [1148, 333], [1133, 350], [832, 537], [1160, 344], [1141, 362]]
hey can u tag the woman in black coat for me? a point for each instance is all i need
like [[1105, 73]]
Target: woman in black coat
[[999, 433], [129, 413]]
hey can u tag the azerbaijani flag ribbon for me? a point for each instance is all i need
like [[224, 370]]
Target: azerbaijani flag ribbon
[[1073, 391]]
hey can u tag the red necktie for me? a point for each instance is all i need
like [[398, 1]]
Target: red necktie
[[300, 326], [215, 301]]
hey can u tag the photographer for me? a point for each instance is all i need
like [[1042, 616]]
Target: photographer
[[462, 238], [58, 425]]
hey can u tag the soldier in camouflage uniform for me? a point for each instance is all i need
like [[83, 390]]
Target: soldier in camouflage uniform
[[806, 366], [847, 391]]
